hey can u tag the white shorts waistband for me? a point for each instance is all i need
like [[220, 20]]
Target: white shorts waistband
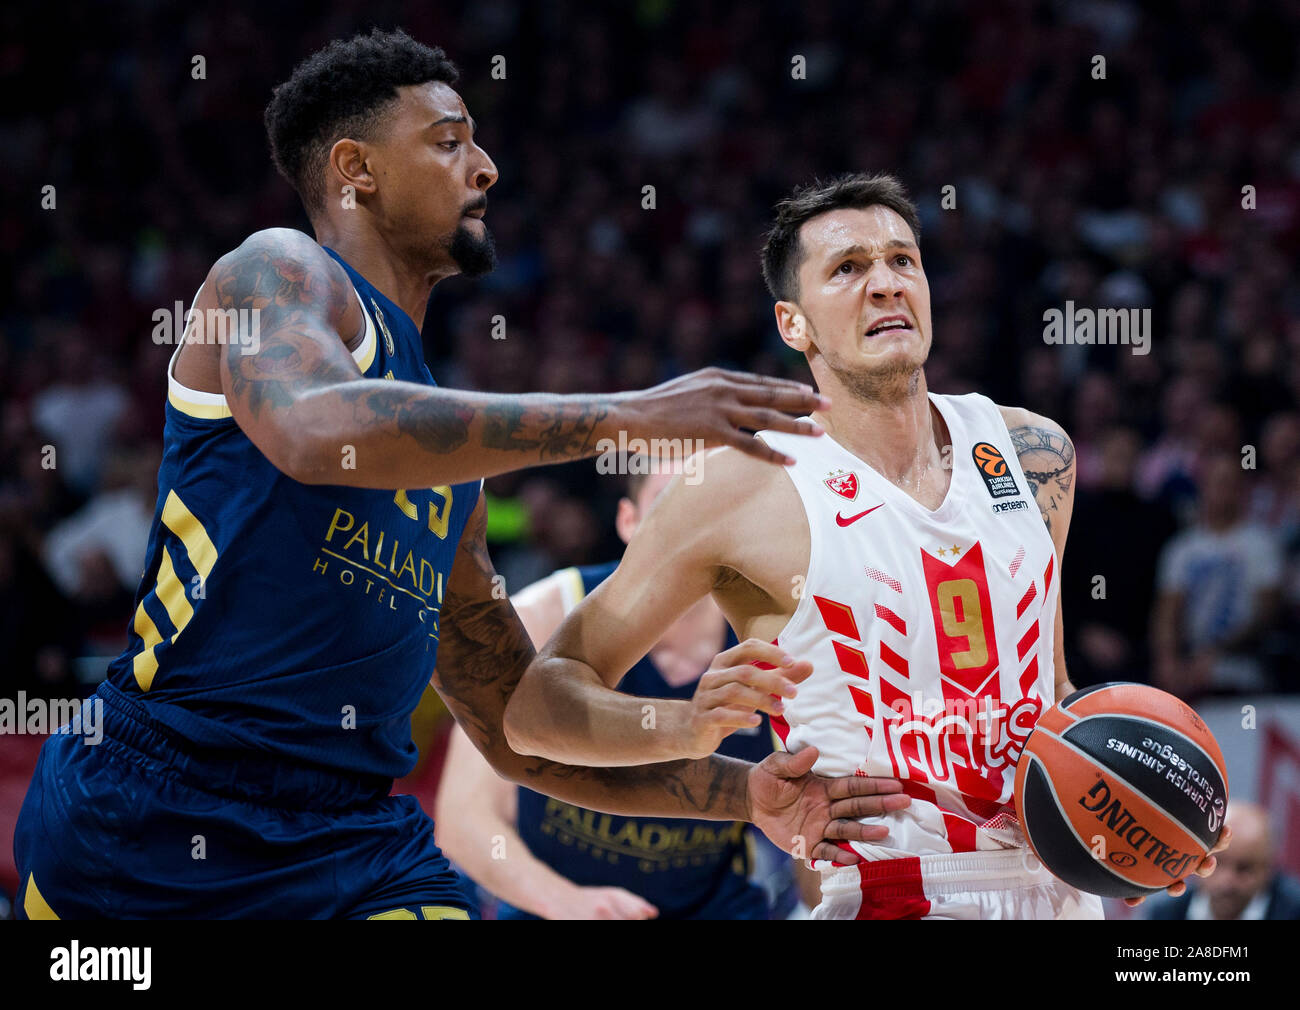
[[943, 872]]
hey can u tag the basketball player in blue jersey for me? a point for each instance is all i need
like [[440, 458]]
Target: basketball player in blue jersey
[[318, 555], [548, 859]]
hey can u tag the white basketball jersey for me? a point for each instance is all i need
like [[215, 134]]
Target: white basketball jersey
[[930, 633]]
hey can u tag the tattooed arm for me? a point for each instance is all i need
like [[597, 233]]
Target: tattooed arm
[[301, 399], [477, 809], [483, 650], [1046, 456]]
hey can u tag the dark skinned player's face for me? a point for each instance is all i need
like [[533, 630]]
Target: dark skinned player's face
[[432, 179]]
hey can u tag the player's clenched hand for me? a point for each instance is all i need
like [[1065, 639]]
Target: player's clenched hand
[[721, 408], [732, 690], [807, 814], [1203, 869]]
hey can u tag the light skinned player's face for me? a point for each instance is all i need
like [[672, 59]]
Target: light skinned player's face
[[861, 273]]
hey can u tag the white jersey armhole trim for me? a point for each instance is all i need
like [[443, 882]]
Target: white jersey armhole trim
[[213, 406], [815, 553]]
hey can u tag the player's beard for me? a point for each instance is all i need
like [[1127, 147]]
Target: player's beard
[[891, 382], [476, 255]]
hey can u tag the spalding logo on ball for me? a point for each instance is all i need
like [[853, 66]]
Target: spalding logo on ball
[[1121, 790]]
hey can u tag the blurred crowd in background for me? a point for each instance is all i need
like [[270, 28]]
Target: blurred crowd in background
[[1122, 191]]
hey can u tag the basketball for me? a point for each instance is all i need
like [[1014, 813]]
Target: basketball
[[1121, 790]]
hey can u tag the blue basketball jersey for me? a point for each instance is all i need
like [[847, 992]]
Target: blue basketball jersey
[[686, 868], [287, 620]]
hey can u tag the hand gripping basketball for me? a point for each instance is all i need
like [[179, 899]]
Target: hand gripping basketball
[[1122, 791]]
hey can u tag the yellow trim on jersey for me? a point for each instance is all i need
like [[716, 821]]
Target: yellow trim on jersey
[[573, 592], [34, 904], [207, 411], [181, 521], [172, 595], [365, 354], [194, 402], [169, 589], [213, 406], [145, 663]]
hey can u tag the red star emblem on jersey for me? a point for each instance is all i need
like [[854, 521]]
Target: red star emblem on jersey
[[843, 484]]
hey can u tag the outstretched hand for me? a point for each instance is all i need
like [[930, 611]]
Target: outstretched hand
[[723, 408]]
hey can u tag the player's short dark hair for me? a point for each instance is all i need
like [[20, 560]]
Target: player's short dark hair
[[343, 91], [783, 252]]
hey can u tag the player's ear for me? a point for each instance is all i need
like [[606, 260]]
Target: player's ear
[[348, 167], [625, 522], [793, 326]]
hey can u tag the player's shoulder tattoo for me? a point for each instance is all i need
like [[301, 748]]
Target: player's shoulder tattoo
[[294, 288], [1046, 456], [280, 268]]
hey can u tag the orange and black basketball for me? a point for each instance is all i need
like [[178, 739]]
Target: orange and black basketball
[[1121, 790]]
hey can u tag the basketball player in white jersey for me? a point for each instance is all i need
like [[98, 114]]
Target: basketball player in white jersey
[[912, 557]]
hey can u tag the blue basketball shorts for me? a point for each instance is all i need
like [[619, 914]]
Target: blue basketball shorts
[[139, 826]]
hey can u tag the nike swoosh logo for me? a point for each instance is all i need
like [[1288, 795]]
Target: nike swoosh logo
[[852, 519]]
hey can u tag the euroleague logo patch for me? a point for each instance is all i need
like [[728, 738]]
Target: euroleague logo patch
[[993, 468]]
